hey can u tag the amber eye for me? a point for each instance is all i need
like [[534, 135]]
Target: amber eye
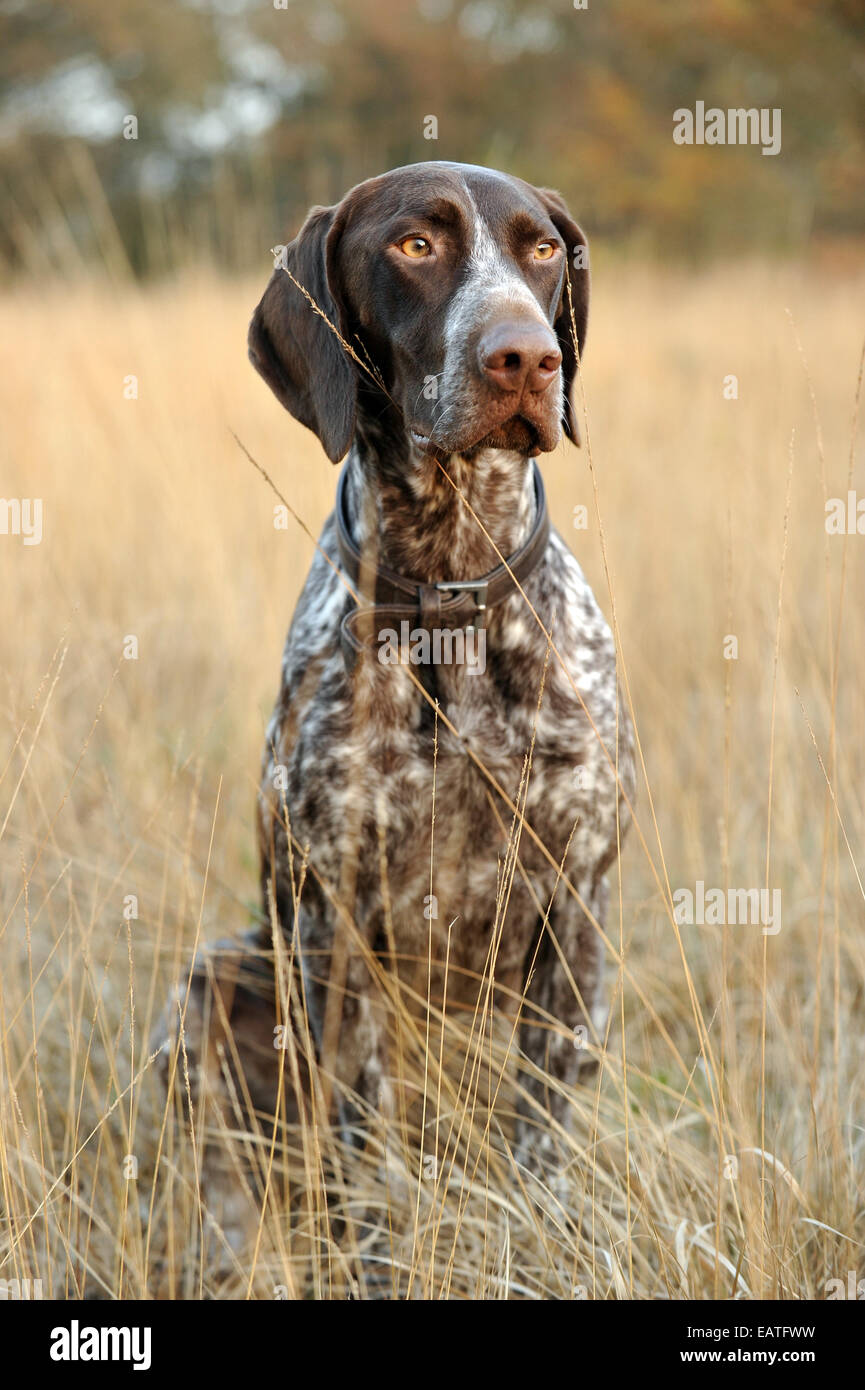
[[545, 251], [415, 247]]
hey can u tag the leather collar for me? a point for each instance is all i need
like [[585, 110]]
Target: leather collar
[[449, 603]]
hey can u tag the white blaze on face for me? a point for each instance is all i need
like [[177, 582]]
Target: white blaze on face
[[490, 284], [491, 287]]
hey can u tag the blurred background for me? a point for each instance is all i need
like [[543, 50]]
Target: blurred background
[[248, 113]]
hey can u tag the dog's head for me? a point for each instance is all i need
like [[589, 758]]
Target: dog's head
[[450, 284]]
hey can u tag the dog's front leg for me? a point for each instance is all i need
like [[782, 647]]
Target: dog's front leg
[[558, 1035], [359, 1060], [222, 1051]]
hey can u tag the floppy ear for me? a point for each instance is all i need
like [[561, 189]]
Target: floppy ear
[[578, 270], [299, 356]]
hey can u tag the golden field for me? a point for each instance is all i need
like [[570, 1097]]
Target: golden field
[[721, 1150]]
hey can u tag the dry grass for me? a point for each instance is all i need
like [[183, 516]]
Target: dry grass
[[137, 777]]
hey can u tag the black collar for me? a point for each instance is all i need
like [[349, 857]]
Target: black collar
[[449, 603]]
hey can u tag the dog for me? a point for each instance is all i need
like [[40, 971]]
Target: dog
[[428, 329]]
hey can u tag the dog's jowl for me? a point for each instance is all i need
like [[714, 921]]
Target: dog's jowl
[[450, 314]]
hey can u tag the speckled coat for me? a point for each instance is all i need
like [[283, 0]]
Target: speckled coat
[[350, 755], [450, 302]]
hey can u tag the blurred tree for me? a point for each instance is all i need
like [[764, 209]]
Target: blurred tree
[[246, 113]]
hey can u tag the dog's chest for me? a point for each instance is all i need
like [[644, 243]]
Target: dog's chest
[[412, 815], [433, 800]]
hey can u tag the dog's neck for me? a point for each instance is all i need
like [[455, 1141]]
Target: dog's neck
[[417, 522]]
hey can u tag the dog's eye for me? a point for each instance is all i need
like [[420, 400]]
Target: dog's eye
[[545, 251], [415, 247]]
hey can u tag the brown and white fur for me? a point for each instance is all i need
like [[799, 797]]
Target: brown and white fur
[[436, 273]]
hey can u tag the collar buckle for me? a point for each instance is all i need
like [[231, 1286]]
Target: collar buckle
[[477, 588]]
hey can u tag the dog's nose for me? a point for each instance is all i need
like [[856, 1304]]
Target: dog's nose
[[519, 355]]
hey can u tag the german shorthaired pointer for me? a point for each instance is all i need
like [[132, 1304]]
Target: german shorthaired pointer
[[425, 327]]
